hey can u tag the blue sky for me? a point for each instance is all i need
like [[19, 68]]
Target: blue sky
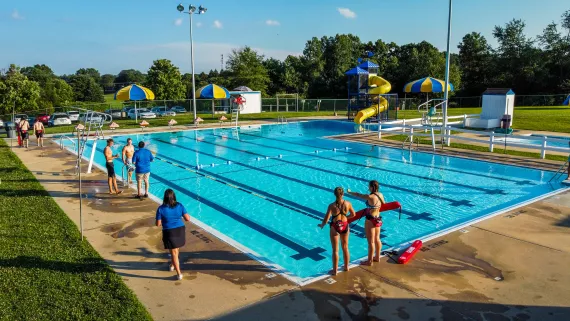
[[112, 35]]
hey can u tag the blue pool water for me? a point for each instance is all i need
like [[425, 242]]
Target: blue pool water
[[537, 141], [271, 205]]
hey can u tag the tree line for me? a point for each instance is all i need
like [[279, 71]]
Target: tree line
[[529, 65]]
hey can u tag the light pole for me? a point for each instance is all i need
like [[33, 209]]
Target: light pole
[[447, 57], [190, 12]]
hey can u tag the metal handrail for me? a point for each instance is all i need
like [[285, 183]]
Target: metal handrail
[[426, 104], [61, 141]]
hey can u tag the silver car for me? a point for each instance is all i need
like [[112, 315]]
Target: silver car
[[141, 113], [92, 118], [58, 119], [116, 113], [163, 112]]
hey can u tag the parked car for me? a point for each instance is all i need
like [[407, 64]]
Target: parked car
[[1, 123], [163, 112], [178, 109], [58, 119], [143, 113], [126, 109], [18, 117], [73, 115], [116, 113], [42, 117], [92, 118]]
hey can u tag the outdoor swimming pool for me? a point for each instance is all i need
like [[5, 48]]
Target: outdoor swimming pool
[[537, 141], [270, 185]]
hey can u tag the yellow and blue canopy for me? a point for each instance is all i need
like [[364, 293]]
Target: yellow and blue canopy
[[134, 92], [426, 85], [212, 91], [567, 101]]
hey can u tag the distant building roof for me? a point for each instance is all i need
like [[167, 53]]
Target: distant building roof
[[356, 71], [499, 91], [367, 65]]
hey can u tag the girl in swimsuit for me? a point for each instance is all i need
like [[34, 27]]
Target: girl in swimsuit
[[338, 210], [374, 201]]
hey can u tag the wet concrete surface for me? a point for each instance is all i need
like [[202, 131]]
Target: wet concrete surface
[[511, 267]]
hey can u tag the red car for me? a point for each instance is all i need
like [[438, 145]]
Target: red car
[[43, 118]]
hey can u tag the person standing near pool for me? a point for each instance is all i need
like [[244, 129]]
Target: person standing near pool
[[39, 130], [142, 159], [110, 165], [25, 130], [338, 210], [171, 216], [374, 201], [128, 152]]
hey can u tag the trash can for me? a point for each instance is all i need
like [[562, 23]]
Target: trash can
[[506, 122], [11, 129], [123, 114]]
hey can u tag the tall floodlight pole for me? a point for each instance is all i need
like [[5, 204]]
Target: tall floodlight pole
[[190, 12], [447, 61]]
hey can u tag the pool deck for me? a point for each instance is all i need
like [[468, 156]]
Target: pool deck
[[513, 266]]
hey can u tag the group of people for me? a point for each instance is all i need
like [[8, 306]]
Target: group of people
[[338, 213], [23, 131], [135, 161]]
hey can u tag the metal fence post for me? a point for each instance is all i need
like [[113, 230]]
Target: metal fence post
[[448, 136], [432, 139], [543, 149], [491, 141], [379, 131], [404, 125], [411, 135], [464, 120]]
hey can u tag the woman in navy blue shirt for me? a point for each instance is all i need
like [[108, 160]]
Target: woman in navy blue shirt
[[171, 216]]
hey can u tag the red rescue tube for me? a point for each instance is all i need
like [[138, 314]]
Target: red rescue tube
[[410, 252], [385, 207]]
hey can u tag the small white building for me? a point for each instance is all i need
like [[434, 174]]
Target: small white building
[[496, 103], [252, 101]]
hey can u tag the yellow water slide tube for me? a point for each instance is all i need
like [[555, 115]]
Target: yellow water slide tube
[[379, 86]]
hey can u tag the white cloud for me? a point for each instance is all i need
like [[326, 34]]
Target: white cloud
[[347, 13], [199, 24], [178, 22], [16, 15], [272, 23], [218, 24]]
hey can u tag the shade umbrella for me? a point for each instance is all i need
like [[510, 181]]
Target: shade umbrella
[[213, 91], [134, 92], [242, 88], [567, 101]]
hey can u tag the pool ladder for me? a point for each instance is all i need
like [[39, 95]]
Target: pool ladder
[[282, 120], [410, 142], [559, 172]]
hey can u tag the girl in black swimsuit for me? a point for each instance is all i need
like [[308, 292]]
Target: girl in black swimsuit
[[339, 227], [374, 201]]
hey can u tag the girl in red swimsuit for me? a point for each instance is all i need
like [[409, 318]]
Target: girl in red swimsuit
[[338, 210], [374, 201]]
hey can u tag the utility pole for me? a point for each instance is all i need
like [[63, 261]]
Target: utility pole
[[222, 63]]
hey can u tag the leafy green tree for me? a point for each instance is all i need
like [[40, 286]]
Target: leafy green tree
[[107, 81], [91, 72], [293, 80], [56, 93], [17, 91], [246, 68], [475, 60], [275, 71], [130, 76], [86, 89], [165, 81], [39, 73]]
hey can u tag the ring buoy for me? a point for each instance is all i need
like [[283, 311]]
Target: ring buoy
[[410, 252], [240, 101], [384, 208]]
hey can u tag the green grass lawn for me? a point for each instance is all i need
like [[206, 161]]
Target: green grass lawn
[[548, 118], [110, 99], [46, 271], [187, 119]]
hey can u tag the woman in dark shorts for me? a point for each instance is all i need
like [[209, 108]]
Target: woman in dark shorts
[[373, 201], [171, 216], [339, 211]]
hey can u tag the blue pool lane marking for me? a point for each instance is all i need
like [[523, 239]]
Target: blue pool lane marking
[[452, 202], [413, 216], [302, 252], [307, 211], [518, 182], [481, 189]]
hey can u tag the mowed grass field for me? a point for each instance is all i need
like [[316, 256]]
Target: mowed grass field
[[46, 271]]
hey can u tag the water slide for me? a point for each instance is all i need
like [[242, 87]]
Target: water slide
[[380, 86]]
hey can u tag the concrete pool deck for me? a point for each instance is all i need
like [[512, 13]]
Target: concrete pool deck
[[510, 267]]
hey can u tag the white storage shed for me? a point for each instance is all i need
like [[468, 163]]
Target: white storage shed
[[252, 101], [496, 103]]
